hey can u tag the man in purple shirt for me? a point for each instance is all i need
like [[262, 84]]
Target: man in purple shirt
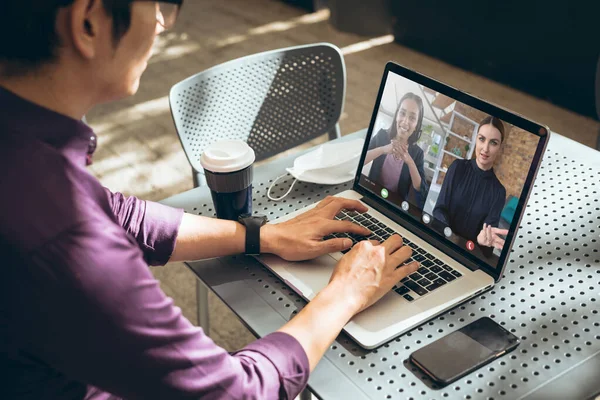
[[81, 316]]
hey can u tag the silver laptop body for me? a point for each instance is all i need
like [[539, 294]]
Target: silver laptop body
[[458, 269]]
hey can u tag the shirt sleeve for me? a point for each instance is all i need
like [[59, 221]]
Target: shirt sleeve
[[154, 226], [89, 308]]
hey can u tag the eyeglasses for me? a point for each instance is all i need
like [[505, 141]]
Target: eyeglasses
[[167, 12]]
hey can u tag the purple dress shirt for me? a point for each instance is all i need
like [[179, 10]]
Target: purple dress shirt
[[81, 316]]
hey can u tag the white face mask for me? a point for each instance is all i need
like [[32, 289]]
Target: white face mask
[[328, 164]]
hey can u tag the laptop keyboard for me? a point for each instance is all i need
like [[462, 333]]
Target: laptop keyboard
[[431, 275]]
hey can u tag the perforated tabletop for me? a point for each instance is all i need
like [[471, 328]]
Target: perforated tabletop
[[548, 297]]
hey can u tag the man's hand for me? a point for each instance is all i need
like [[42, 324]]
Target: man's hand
[[368, 271], [489, 237], [301, 238]]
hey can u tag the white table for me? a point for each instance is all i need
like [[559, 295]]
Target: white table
[[549, 296]]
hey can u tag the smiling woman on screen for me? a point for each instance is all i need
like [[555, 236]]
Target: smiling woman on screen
[[397, 160]]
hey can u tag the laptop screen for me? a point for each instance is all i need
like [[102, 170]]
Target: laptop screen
[[455, 170]]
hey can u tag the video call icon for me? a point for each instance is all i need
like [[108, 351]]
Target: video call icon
[[426, 218], [405, 205], [384, 193]]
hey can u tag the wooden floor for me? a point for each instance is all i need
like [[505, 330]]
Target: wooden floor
[[139, 153]]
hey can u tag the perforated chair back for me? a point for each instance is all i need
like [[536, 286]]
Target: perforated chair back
[[274, 101]]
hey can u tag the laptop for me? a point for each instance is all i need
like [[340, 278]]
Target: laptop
[[473, 170]]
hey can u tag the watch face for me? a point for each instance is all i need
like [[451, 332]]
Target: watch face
[[264, 218], [259, 217]]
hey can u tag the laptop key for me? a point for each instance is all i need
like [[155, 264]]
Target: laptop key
[[456, 273], [415, 276], [447, 267], [418, 257], [352, 213], [381, 225], [408, 297], [402, 290], [424, 282], [447, 276], [415, 287], [431, 276], [438, 262], [380, 232], [420, 250], [412, 245], [429, 256], [428, 263], [370, 226], [435, 269], [390, 231], [357, 237], [436, 284], [404, 279]]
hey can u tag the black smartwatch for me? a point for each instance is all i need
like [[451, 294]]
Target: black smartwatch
[[252, 224]]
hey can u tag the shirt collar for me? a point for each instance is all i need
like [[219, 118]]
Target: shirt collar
[[480, 172], [30, 121]]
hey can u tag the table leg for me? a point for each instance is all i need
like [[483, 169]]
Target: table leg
[[202, 303]]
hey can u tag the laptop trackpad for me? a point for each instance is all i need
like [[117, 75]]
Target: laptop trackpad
[[313, 274]]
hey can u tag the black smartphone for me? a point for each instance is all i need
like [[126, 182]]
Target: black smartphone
[[463, 351]]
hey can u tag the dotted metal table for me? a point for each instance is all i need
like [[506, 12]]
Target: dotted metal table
[[548, 297]]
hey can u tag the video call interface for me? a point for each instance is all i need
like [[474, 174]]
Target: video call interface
[[450, 166]]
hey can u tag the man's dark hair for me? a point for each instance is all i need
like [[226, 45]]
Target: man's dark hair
[[28, 37]]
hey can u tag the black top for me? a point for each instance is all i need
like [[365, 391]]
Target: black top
[[469, 198], [382, 138]]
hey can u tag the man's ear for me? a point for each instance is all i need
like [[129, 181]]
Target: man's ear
[[87, 23]]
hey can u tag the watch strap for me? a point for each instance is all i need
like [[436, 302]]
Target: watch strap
[[253, 226]]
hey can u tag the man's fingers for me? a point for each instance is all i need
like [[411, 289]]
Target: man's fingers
[[335, 226], [392, 243], [327, 200], [404, 270], [340, 203], [334, 245], [401, 255]]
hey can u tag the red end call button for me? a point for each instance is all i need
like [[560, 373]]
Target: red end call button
[[470, 245]]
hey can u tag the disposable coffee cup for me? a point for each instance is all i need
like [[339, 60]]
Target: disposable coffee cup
[[228, 167]]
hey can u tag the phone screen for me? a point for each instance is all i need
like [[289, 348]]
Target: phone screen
[[464, 350]]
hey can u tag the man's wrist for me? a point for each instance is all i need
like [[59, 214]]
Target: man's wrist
[[348, 300], [268, 238]]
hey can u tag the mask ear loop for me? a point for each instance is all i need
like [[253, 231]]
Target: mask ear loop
[[286, 193]]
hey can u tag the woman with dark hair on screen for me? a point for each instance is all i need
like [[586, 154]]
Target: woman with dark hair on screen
[[472, 197], [397, 160]]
